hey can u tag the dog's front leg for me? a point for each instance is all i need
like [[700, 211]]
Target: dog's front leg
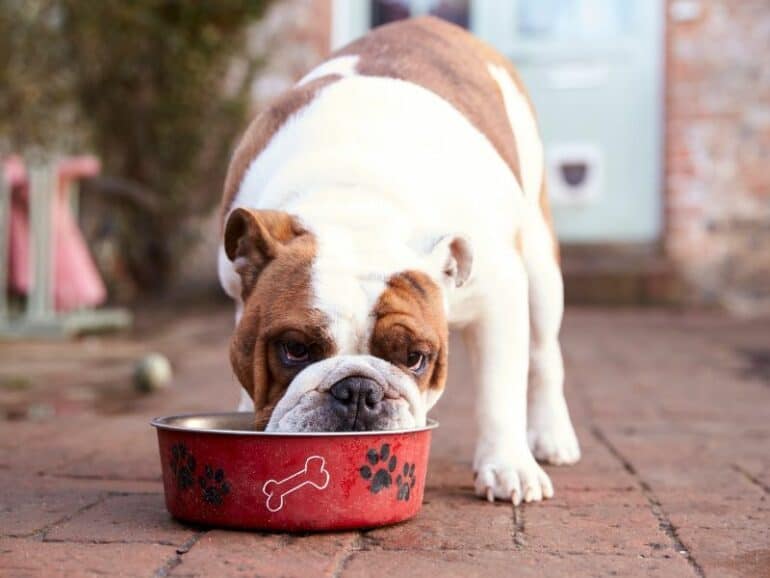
[[498, 341]]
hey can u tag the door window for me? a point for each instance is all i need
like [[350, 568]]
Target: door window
[[384, 11], [571, 20]]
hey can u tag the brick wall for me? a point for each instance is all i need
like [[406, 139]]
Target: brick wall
[[294, 36], [718, 150]]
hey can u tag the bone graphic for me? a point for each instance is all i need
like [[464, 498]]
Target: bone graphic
[[314, 473]]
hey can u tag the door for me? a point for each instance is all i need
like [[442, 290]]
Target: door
[[594, 71]]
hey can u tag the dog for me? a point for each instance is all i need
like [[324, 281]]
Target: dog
[[396, 190]]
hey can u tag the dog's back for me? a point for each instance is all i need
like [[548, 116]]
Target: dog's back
[[475, 79]]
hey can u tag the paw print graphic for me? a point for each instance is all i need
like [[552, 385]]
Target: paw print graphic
[[405, 482], [213, 485], [183, 466], [379, 468]]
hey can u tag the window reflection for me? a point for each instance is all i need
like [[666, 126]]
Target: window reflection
[[456, 11], [384, 11], [574, 19]]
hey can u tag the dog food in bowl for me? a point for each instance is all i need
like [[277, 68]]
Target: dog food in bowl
[[218, 471]]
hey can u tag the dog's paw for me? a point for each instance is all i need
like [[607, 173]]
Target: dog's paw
[[513, 478], [550, 433]]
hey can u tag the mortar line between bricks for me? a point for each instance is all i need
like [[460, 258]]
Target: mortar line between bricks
[[103, 542], [655, 505], [347, 553], [92, 477], [433, 550], [518, 527], [42, 533], [77, 460], [753, 479], [176, 559]]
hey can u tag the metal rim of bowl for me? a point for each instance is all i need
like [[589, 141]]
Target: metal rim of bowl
[[166, 423]]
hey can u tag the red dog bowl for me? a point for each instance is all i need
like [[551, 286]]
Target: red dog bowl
[[218, 471]]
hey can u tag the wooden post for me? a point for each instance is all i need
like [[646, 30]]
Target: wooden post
[[41, 191]]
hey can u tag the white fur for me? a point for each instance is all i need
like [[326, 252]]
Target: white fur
[[528, 144], [305, 396], [342, 65], [550, 433], [380, 169]]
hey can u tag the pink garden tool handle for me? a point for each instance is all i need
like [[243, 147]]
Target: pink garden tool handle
[[314, 474]]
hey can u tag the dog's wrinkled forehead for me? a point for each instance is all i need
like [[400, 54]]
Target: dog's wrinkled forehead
[[349, 277], [347, 304]]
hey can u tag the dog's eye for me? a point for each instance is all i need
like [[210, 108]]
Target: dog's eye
[[415, 361], [294, 353]]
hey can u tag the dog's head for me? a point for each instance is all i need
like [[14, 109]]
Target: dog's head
[[327, 345]]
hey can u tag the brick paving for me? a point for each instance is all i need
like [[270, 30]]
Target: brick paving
[[672, 410]]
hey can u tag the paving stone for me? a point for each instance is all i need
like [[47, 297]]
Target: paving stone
[[60, 441], [507, 563], [235, 554], [29, 504], [601, 522], [756, 470], [127, 454], [597, 470], [132, 518], [20, 558], [744, 509], [729, 553], [452, 473], [451, 520]]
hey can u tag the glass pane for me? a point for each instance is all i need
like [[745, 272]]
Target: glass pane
[[384, 11], [456, 11], [558, 20]]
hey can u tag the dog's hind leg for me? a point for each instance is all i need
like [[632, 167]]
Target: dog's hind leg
[[549, 428]]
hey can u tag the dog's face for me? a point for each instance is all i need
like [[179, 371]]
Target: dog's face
[[322, 350]]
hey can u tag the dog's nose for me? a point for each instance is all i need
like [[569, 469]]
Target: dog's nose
[[359, 400]]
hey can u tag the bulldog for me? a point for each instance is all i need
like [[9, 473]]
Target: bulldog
[[397, 190]]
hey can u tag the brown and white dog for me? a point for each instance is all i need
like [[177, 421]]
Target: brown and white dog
[[398, 189]]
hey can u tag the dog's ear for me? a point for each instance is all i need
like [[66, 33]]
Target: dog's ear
[[452, 260], [254, 238]]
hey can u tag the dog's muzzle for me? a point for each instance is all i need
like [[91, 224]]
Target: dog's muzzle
[[349, 393]]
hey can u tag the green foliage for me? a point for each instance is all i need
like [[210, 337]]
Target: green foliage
[[153, 88], [35, 85]]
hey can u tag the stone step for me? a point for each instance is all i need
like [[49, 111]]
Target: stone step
[[619, 275]]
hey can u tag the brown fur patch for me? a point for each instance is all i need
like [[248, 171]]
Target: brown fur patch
[[450, 62], [278, 308], [545, 208], [261, 131], [255, 238], [409, 316]]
